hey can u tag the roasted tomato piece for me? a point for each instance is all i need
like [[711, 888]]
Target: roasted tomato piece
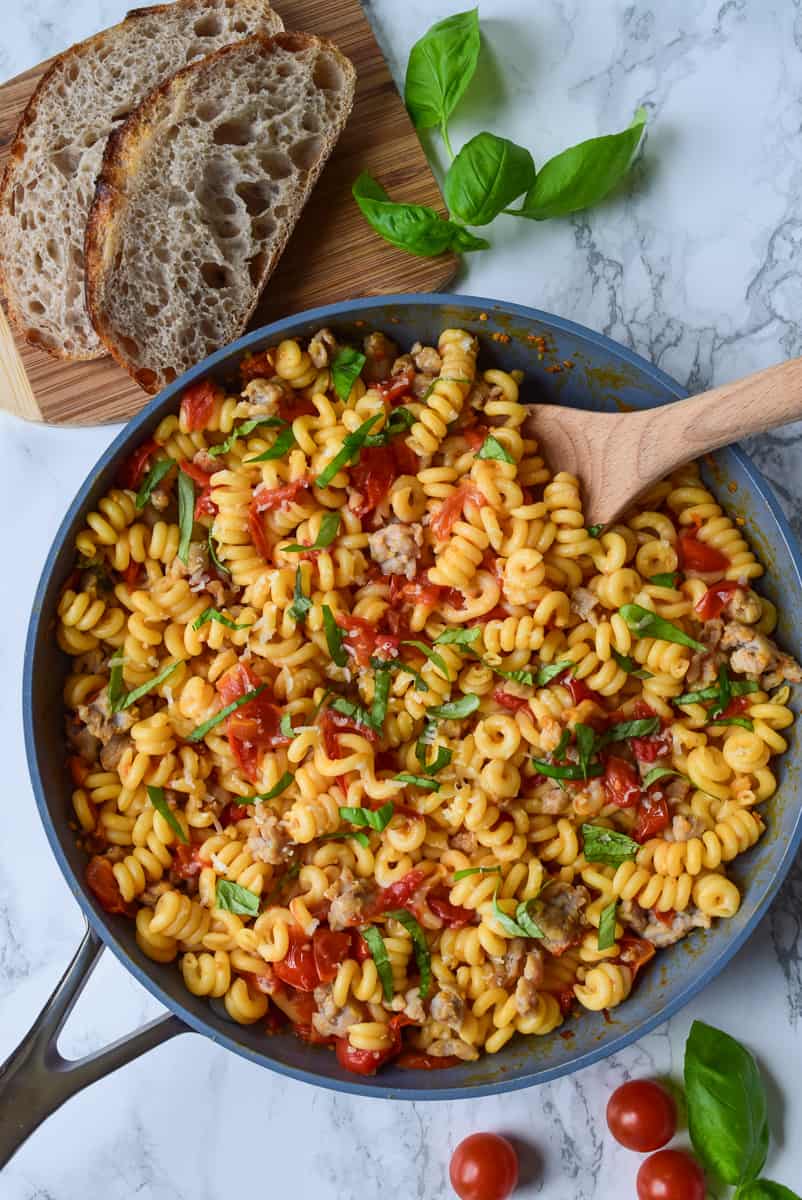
[[635, 953], [372, 478], [716, 598], [392, 389], [99, 875], [257, 366], [196, 473], [197, 404], [330, 949], [580, 691], [476, 436], [233, 813], [258, 536], [299, 968], [399, 893], [268, 499], [205, 505], [653, 817], [737, 706], [507, 700], [450, 510], [699, 556], [186, 861], [252, 728], [365, 641], [135, 467], [417, 1060], [621, 782], [453, 915]]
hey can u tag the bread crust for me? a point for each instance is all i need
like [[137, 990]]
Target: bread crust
[[125, 151]]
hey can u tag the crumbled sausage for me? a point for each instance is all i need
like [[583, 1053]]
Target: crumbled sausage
[[347, 896], [269, 843], [113, 751], [548, 797], [411, 1005], [379, 354], [322, 348], [396, 547], [585, 605], [426, 359], [744, 605], [264, 397], [661, 933], [329, 1020], [508, 968], [85, 744], [448, 1007], [684, 828], [751, 652], [101, 722], [558, 912]]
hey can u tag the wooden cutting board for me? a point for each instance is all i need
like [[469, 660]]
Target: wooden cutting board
[[332, 255]]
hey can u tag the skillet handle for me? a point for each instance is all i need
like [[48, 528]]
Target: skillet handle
[[35, 1079]]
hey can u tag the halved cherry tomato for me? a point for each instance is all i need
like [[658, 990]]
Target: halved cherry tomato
[[653, 817], [716, 598], [205, 505], [268, 499], [641, 1115], [475, 437], [450, 510], [135, 466], [197, 404], [257, 366], [417, 1060], [332, 723], [507, 700], [621, 782], [398, 893], [359, 947], [453, 915], [372, 477], [484, 1167], [186, 861], [299, 968], [698, 556], [651, 747], [579, 690], [671, 1175], [360, 1062], [364, 640], [635, 953], [99, 875], [232, 813], [737, 706], [417, 591], [254, 727], [258, 536], [396, 386], [330, 948]]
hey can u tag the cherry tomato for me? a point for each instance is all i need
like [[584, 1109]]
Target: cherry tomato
[[635, 953], [698, 556], [372, 478], [621, 783], [257, 366], [453, 916], [99, 875], [252, 728], [641, 1115], [397, 894], [298, 968], [197, 404], [507, 700], [417, 1060], [671, 1175], [580, 691], [186, 862], [196, 473], [267, 499], [364, 640], [653, 817], [232, 813], [450, 510], [716, 598], [330, 949], [484, 1167], [396, 386], [475, 437], [737, 706], [133, 469]]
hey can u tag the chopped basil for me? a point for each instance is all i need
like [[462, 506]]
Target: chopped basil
[[421, 781], [744, 722], [432, 655], [442, 379], [738, 687], [427, 736], [284, 442], [595, 530], [232, 897], [378, 819], [156, 797], [349, 709], [628, 729], [658, 773], [442, 759], [607, 926], [213, 556], [569, 771], [396, 664], [381, 692], [128, 698], [186, 514], [551, 671], [724, 692], [607, 845], [334, 638], [520, 676], [352, 444], [630, 666], [201, 730], [116, 689], [285, 725], [458, 637], [263, 797], [214, 614], [667, 580], [585, 744], [301, 603], [476, 871], [562, 745], [357, 836], [456, 710], [399, 421], [522, 925], [329, 526], [151, 481], [381, 958], [645, 623], [420, 947], [243, 430], [346, 369], [523, 918], [491, 447]]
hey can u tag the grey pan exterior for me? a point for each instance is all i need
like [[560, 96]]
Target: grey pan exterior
[[604, 375]]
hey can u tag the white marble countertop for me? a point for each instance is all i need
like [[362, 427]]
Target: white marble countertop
[[698, 267]]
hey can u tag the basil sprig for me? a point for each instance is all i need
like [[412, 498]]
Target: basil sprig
[[119, 699], [523, 925], [412, 227], [243, 430], [377, 819], [186, 514], [201, 730], [607, 845], [396, 664], [488, 174], [440, 67], [301, 603], [420, 947], [381, 693], [214, 614], [458, 637], [606, 937], [345, 370], [151, 481], [329, 527], [645, 623], [455, 710], [263, 797], [348, 453], [284, 442], [156, 797], [519, 676], [378, 952], [233, 897]]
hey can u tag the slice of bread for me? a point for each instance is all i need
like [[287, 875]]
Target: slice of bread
[[199, 193], [49, 182]]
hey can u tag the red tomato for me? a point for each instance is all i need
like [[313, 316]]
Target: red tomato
[[197, 404], [453, 916], [671, 1175], [507, 700], [406, 460], [698, 556], [635, 953], [99, 875], [417, 591], [372, 478], [641, 710], [330, 949], [233, 812], [715, 599], [364, 640], [450, 510], [484, 1167], [647, 749], [475, 437], [135, 466], [359, 947], [186, 861], [205, 505], [299, 969], [416, 1060], [737, 706], [621, 782], [653, 817], [396, 386], [257, 366], [196, 473], [360, 1062], [580, 691], [254, 727], [131, 573], [332, 723], [258, 536], [641, 1115], [295, 405], [397, 894], [267, 499]]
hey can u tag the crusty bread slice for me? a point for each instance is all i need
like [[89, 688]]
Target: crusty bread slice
[[49, 181], [199, 193]]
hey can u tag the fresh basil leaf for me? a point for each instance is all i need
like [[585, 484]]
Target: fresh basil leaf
[[243, 430], [381, 958], [355, 834], [213, 556], [151, 481], [186, 514], [764, 1189], [585, 744], [396, 664], [475, 871], [492, 448], [346, 369], [200, 732], [420, 947], [455, 710], [412, 227], [568, 771], [329, 527], [607, 845], [658, 773], [349, 709], [668, 579], [128, 698], [595, 530], [524, 677], [301, 603], [283, 443], [582, 175], [334, 638], [441, 760], [724, 692], [264, 797], [443, 379], [606, 937], [400, 420], [421, 781], [744, 722], [214, 614], [738, 687], [116, 688], [645, 623], [232, 897], [285, 725], [440, 67], [458, 637], [488, 174], [509, 926], [630, 666], [524, 919], [551, 671], [562, 745], [352, 444], [628, 729], [427, 736], [156, 797], [377, 819], [432, 656], [727, 1112], [381, 692]]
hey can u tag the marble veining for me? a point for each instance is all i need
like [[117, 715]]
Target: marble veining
[[697, 264]]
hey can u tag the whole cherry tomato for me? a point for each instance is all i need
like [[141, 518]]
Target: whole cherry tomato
[[671, 1175], [641, 1115], [484, 1167]]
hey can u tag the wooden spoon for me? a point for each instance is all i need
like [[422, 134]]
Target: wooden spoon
[[616, 456]]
